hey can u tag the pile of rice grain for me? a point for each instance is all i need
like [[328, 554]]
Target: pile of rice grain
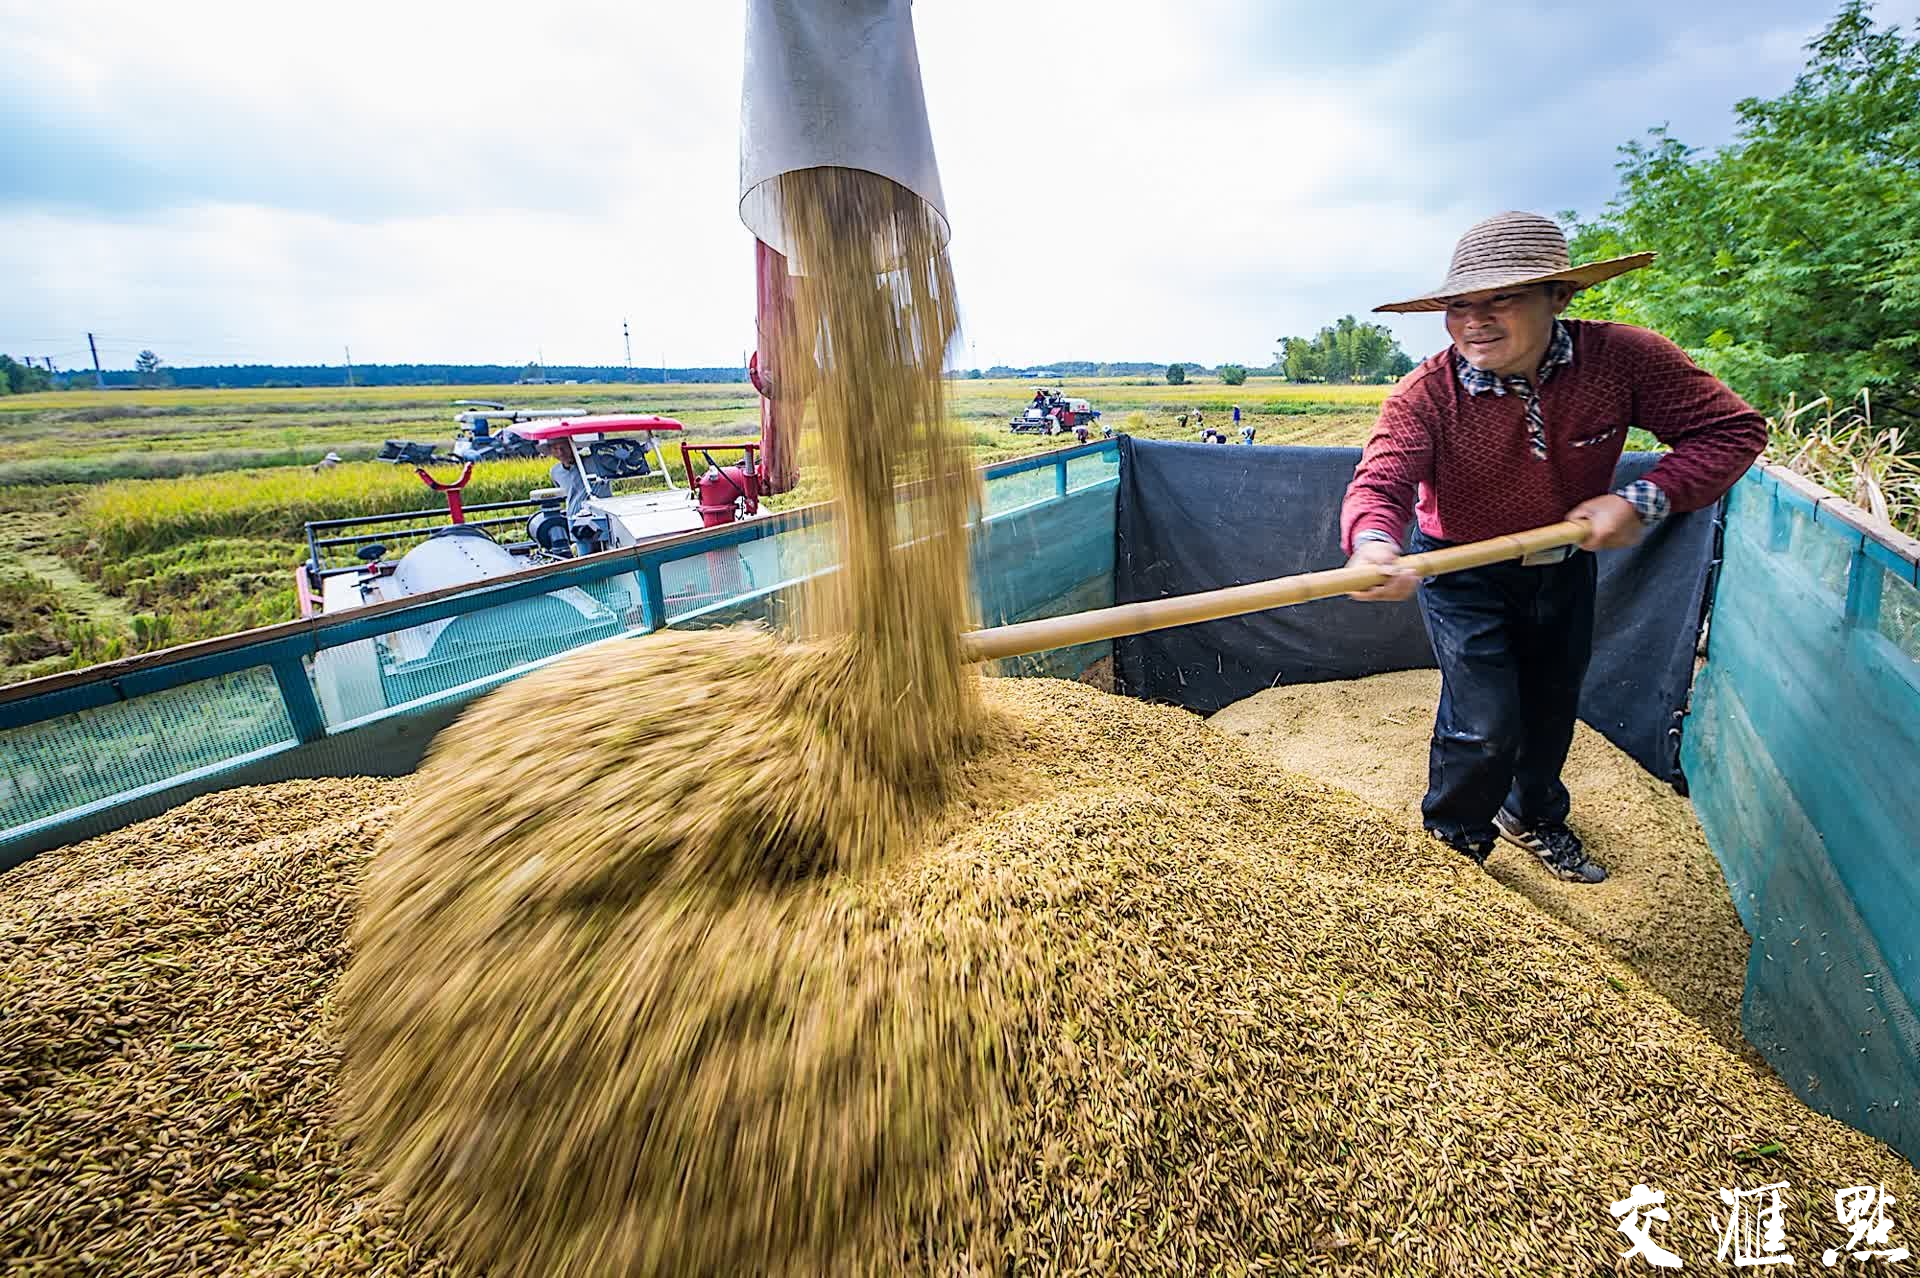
[[1665, 907], [1259, 1027]]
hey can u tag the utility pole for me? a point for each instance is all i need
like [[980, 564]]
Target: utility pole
[[628, 336], [99, 378], [349, 351]]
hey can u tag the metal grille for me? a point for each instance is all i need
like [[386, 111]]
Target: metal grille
[[60, 764], [473, 648]]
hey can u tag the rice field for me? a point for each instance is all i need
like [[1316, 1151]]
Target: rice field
[[130, 520], [89, 436]]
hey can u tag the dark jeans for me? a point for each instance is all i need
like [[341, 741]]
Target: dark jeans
[[1512, 644]]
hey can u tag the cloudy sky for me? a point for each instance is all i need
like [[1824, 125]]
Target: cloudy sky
[[1126, 179]]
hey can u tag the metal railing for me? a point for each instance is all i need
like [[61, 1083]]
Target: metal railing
[[281, 657]]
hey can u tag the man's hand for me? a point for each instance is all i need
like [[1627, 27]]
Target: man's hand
[[1400, 584], [1616, 524]]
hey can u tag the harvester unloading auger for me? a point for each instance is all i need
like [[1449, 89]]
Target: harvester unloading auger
[[827, 85]]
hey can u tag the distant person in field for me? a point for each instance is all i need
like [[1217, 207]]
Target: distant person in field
[[1236, 417], [1519, 423]]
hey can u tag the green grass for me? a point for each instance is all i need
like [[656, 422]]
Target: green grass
[[42, 632], [129, 517]]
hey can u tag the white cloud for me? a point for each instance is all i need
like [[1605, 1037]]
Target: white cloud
[[1140, 179]]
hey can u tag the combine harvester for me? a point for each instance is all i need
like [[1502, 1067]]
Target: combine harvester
[[1797, 736], [1053, 412], [451, 550]]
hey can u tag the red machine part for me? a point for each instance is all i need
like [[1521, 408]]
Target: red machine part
[[303, 592], [781, 370], [725, 492], [597, 424], [452, 489]]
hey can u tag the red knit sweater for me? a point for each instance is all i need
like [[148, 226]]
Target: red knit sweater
[[1467, 454]]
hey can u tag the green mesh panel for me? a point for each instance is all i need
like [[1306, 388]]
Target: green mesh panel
[[406, 664], [133, 758], [1802, 753], [65, 763], [1009, 492], [1096, 468], [1046, 560], [708, 579]]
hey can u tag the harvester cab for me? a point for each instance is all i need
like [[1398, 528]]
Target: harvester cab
[[610, 449]]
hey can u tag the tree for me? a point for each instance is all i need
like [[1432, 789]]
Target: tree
[[23, 379], [1233, 374], [1299, 359], [1176, 374], [1790, 258], [1345, 351], [147, 365]]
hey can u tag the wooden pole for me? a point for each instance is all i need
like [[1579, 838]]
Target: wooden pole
[[1258, 596]]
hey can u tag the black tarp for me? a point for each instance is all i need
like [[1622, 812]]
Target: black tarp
[[1201, 516]]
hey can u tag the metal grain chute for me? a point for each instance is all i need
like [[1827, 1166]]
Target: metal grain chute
[[829, 84]]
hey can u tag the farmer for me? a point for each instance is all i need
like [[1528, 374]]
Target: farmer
[[1519, 423], [570, 480]]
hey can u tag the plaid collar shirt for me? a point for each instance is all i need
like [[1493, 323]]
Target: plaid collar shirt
[[1479, 381], [1646, 498]]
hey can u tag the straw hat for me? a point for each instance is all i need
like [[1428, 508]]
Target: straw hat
[[1511, 249]]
